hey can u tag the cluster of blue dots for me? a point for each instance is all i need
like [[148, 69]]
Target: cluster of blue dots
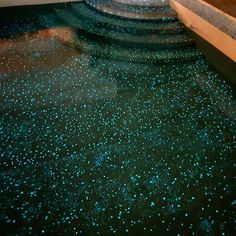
[[96, 146]]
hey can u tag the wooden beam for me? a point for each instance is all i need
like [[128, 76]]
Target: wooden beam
[[206, 30]]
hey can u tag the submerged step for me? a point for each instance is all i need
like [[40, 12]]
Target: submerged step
[[144, 55], [147, 3], [97, 36], [149, 40], [133, 12], [126, 25]]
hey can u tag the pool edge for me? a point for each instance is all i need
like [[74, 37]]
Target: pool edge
[[206, 29]]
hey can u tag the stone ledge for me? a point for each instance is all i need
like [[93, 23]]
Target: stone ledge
[[214, 15], [211, 29], [147, 3]]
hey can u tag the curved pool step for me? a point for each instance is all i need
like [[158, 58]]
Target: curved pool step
[[141, 55], [161, 13], [147, 40], [106, 36], [146, 3], [126, 25]]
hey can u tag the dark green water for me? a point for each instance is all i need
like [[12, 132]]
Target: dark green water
[[96, 146]]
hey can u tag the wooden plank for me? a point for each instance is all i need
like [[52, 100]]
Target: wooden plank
[[206, 30]]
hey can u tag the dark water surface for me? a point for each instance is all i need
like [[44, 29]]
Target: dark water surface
[[96, 146]]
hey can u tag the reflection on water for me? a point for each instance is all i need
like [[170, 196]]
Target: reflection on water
[[95, 146]]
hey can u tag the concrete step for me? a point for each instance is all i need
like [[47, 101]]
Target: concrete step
[[141, 55], [134, 12], [126, 25], [146, 3], [147, 40]]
